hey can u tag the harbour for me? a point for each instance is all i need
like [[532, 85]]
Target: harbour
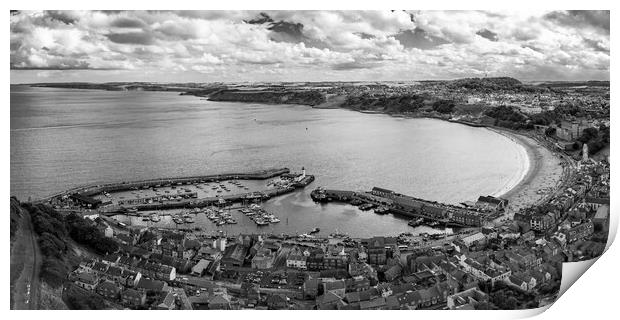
[[335, 147]]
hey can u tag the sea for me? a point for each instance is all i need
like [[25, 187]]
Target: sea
[[61, 138]]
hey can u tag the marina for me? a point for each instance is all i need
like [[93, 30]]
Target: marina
[[334, 146]]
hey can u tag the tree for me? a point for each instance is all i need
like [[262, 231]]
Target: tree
[[443, 106], [588, 134]]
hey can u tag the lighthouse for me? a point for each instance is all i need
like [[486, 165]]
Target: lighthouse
[[302, 175]]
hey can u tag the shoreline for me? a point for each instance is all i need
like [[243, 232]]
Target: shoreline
[[524, 191], [533, 159], [542, 174]]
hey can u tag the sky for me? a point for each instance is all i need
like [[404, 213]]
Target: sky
[[259, 46]]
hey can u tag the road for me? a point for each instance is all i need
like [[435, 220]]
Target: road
[[34, 286], [25, 256], [205, 283]]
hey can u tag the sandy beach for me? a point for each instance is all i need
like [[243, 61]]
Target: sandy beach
[[544, 174]]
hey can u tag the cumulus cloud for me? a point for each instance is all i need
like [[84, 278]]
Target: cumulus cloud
[[310, 45]]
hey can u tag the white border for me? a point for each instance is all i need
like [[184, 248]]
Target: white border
[[595, 294]]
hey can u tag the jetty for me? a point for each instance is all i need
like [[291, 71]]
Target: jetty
[[387, 201], [101, 197]]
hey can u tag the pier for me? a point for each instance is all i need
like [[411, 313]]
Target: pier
[[94, 196], [387, 201]]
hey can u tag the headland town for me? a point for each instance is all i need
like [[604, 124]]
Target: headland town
[[163, 242]]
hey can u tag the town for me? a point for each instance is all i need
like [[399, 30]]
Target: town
[[497, 258], [520, 259]]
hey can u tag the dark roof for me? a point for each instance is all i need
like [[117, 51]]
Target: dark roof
[[133, 294], [236, 252], [109, 285], [491, 199], [375, 303], [86, 277], [382, 190], [149, 284], [114, 271], [100, 266]]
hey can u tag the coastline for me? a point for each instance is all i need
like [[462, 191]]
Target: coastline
[[544, 172], [523, 190], [543, 175]]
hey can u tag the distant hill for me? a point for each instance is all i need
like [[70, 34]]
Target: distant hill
[[562, 84], [284, 96]]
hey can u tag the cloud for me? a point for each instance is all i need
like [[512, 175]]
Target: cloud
[[419, 38], [127, 22], [581, 18], [306, 45], [352, 65], [488, 34], [143, 38]]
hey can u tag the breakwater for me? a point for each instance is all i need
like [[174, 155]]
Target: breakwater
[[407, 206], [213, 201], [89, 190]]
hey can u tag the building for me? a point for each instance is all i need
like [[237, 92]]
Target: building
[[234, 256], [151, 285], [337, 287], [109, 289], [87, 280], [384, 193], [491, 203], [580, 231], [220, 244], [296, 260], [473, 239], [201, 267], [132, 297], [468, 217], [263, 259], [311, 287], [220, 300], [466, 300], [542, 222], [277, 302], [168, 302]]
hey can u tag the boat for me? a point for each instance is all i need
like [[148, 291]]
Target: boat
[[433, 223], [221, 222], [178, 220], [416, 222], [260, 221], [381, 210], [338, 235], [189, 220], [155, 218], [274, 220], [356, 202], [231, 221], [315, 230]]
